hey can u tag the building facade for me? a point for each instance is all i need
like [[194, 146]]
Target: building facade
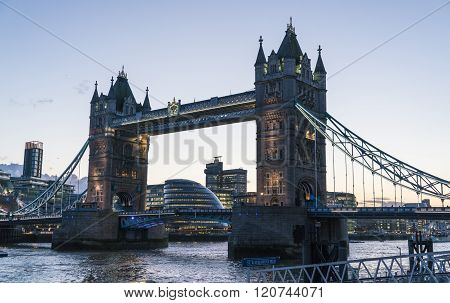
[[248, 198], [155, 197]]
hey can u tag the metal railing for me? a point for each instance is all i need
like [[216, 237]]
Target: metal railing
[[427, 267]]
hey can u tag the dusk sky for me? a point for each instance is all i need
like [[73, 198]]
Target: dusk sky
[[397, 97]]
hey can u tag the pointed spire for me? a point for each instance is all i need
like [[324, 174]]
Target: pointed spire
[[146, 106], [320, 68], [122, 73], [95, 95], [261, 58], [289, 26], [111, 93], [290, 48]]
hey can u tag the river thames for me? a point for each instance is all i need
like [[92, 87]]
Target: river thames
[[180, 262]]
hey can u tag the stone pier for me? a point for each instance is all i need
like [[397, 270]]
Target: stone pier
[[10, 234], [286, 232], [94, 229]]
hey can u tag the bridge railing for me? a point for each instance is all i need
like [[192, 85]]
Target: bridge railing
[[380, 209], [427, 267]]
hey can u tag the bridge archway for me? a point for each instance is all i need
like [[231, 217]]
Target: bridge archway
[[122, 201], [275, 202], [304, 193]]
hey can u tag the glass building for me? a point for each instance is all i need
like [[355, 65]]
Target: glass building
[[235, 180], [155, 197], [226, 197], [185, 194], [32, 162], [180, 193]]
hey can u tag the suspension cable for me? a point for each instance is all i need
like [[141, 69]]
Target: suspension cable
[[395, 194], [353, 176], [364, 187], [315, 166], [334, 175], [382, 191], [366, 151], [401, 194], [346, 181], [373, 184]]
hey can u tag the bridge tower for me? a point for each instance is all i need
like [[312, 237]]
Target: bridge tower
[[117, 160], [291, 167], [117, 179]]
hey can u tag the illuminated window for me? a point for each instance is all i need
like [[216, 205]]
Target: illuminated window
[[310, 135]]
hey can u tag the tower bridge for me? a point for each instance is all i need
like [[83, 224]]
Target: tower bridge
[[290, 218]]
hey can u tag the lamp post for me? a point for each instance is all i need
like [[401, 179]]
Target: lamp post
[[401, 259]]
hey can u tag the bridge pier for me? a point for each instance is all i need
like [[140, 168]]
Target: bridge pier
[[100, 230], [10, 234], [287, 232]]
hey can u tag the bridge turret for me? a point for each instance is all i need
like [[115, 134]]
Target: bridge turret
[[95, 95], [261, 63], [290, 52], [320, 73], [111, 94], [146, 106]]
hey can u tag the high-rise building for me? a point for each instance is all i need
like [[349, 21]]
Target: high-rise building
[[234, 180], [32, 162], [226, 184], [213, 171]]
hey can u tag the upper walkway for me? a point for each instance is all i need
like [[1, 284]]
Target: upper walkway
[[212, 112]]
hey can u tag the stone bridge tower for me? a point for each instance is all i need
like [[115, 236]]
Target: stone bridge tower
[[117, 160], [291, 168]]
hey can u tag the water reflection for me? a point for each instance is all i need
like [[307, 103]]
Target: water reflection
[[180, 262]]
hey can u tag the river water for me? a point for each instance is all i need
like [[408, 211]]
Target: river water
[[180, 262]]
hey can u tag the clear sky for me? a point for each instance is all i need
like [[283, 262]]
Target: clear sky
[[397, 97]]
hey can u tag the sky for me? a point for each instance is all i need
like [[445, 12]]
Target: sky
[[52, 52]]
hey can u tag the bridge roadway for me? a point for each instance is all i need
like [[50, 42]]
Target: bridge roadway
[[149, 218], [207, 113]]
